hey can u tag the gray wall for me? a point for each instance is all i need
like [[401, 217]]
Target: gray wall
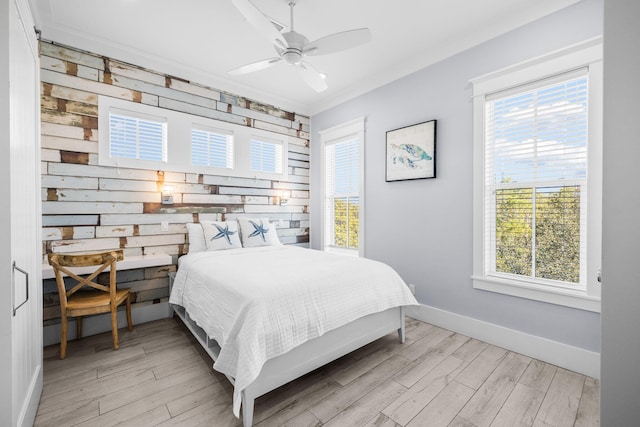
[[423, 228], [620, 390]]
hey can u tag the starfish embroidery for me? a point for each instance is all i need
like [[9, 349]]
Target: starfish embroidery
[[223, 232], [259, 230]]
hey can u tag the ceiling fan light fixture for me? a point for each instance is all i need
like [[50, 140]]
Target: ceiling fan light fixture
[[292, 56]]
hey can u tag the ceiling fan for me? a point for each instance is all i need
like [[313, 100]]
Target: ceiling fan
[[292, 47]]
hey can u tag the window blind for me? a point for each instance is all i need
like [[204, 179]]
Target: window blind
[[535, 183], [342, 187], [266, 156], [137, 138], [211, 148]]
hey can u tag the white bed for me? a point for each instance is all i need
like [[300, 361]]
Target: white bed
[[270, 314]]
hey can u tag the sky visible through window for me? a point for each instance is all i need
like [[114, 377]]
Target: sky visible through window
[[347, 168], [541, 135], [134, 138], [266, 156], [211, 149]]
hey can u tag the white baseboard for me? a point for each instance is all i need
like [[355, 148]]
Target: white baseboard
[[98, 324], [556, 353]]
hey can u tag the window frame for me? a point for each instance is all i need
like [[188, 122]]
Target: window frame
[[104, 150], [179, 127], [583, 55], [354, 129]]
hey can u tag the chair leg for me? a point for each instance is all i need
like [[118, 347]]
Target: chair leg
[[63, 336], [114, 327], [129, 322], [78, 327]]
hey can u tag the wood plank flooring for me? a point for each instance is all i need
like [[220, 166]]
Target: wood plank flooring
[[161, 377]]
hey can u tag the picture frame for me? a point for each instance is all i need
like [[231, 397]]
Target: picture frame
[[411, 152]]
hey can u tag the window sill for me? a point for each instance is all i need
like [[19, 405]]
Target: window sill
[[564, 297], [342, 251]]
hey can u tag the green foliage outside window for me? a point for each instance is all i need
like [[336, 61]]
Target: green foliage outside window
[[556, 240], [346, 217], [514, 222]]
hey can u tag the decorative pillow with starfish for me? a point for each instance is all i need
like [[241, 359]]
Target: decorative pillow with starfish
[[220, 235], [258, 232]]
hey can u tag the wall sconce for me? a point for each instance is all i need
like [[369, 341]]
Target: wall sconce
[[167, 195], [284, 198]]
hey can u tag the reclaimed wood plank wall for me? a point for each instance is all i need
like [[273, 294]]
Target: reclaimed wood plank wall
[[88, 207]]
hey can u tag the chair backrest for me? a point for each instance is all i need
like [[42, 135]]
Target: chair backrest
[[60, 262]]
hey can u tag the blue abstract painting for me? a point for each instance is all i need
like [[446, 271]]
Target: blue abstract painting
[[411, 152]]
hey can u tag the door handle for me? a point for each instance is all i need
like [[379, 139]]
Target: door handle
[[26, 274]]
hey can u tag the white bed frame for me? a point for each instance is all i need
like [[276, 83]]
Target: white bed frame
[[306, 357]]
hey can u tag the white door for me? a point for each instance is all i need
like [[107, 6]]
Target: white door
[[21, 256]]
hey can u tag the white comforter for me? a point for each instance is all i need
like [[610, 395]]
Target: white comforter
[[259, 303]]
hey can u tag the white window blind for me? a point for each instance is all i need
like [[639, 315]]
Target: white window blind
[[266, 156], [342, 193], [212, 148], [536, 180], [137, 138]]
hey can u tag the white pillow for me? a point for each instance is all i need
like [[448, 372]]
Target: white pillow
[[196, 238], [258, 232], [221, 235]]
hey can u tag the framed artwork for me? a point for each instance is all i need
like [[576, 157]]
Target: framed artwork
[[411, 152]]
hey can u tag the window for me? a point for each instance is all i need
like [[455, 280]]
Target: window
[[266, 156], [140, 136], [343, 188], [212, 148], [538, 179], [134, 137], [535, 181], [342, 194]]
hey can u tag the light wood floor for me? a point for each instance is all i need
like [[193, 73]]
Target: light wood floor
[[160, 376]]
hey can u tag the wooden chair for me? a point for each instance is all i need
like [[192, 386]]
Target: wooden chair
[[101, 299]]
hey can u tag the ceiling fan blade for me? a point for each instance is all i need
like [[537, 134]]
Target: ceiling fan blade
[[259, 20], [338, 42], [254, 66], [280, 27], [312, 77]]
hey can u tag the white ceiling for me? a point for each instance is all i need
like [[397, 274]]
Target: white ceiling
[[201, 40]]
